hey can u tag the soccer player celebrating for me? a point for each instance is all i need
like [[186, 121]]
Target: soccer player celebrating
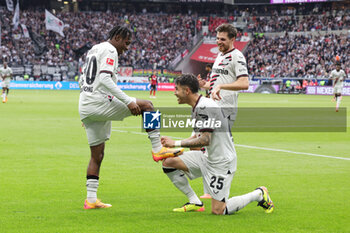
[[338, 76], [101, 102], [6, 75], [218, 168], [154, 83], [229, 74]]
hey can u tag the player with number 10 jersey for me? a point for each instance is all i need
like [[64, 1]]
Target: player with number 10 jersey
[[95, 89]]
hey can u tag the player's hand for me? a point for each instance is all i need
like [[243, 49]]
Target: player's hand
[[167, 142], [201, 81], [215, 93], [134, 108]]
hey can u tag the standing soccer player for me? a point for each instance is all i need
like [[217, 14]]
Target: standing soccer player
[[229, 73], [154, 83], [219, 167], [101, 102], [6, 75], [338, 76]]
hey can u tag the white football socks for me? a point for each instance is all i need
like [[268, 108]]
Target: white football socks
[[91, 187], [239, 202], [4, 97], [154, 136], [180, 181], [338, 101]]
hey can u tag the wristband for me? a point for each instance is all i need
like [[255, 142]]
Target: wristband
[[178, 143]]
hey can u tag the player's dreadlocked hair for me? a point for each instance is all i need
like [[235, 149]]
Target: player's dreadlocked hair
[[124, 32], [229, 28], [188, 80]]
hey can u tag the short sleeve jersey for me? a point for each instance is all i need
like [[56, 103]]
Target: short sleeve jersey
[[5, 74], [154, 80], [339, 77], [102, 57], [227, 68], [221, 151]]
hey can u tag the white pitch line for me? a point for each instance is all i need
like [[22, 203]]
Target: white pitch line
[[292, 152], [254, 147]]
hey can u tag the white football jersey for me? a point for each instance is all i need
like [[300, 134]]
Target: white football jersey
[[338, 77], [6, 74], [221, 149], [101, 60], [227, 68]]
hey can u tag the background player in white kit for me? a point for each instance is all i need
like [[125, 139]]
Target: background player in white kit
[[338, 76], [218, 168], [6, 75], [101, 102], [229, 75]]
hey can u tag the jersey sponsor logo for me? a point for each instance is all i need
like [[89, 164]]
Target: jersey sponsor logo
[[220, 71], [110, 61]]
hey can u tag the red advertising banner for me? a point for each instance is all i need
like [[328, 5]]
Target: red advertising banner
[[208, 52], [125, 71], [166, 87]]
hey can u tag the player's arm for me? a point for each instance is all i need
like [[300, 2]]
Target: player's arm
[[108, 64], [191, 142], [106, 81], [242, 83]]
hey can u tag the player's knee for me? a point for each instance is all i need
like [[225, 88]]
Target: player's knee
[[148, 106], [217, 211]]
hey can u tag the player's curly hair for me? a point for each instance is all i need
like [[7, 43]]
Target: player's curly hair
[[229, 28], [188, 80], [124, 32]]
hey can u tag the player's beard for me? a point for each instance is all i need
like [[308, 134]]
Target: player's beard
[[223, 48]]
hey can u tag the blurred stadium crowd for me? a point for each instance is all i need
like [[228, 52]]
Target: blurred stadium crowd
[[275, 50]]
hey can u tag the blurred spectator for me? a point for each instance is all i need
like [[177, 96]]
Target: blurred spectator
[[296, 56]]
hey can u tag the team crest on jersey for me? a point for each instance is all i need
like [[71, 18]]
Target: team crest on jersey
[[110, 61]]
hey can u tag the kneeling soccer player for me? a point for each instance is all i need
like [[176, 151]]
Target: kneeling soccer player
[[218, 168]]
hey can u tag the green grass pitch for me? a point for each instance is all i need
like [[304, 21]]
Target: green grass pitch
[[44, 155]]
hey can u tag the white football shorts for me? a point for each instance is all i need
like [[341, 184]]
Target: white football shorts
[[216, 182], [5, 84], [98, 124], [337, 89]]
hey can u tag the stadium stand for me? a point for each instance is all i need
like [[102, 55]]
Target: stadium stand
[[159, 38]]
